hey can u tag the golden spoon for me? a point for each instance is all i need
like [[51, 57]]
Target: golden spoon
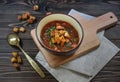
[[14, 40]]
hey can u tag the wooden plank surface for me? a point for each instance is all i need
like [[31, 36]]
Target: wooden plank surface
[[9, 9]]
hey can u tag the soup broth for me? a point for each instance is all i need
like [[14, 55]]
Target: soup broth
[[59, 36]]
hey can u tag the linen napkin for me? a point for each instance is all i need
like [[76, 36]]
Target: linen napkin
[[89, 64]]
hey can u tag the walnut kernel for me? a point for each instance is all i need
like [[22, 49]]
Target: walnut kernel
[[13, 60], [22, 29], [19, 17], [19, 59], [24, 16], [35, 7], [31, 19], [15, 29], [15, 54], [16, 65], [28, 14]]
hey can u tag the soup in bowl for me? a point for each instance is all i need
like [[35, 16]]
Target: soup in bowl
[[60, 34]]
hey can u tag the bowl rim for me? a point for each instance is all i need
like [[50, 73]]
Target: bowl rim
[[43, 45]]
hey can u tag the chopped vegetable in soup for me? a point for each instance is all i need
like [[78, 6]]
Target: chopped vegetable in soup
[[59, 36]]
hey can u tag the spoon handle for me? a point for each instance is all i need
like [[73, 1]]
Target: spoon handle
[[33, 63]]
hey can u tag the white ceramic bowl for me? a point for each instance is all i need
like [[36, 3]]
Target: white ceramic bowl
[[59, 17]]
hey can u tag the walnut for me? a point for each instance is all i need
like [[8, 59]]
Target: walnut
[[31, 19], [19, 17], [19, 60], [15, 29], [22, 29], [16, 65], [28, 14], [35, 7], [13, 60], [15, 54], [24, 16]]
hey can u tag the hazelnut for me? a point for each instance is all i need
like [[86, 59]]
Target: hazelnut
[[13, 60], [15, 54], [22, 29], [35, 7], [19, 60], [15, 29], [16, 65], [19, 17]]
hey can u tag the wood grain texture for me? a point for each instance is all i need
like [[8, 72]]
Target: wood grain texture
[[9, 9]]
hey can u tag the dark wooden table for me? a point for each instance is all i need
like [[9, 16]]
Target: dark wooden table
[[10, 9]]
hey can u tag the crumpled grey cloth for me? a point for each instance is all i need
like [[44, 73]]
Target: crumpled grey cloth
[[89, 64]]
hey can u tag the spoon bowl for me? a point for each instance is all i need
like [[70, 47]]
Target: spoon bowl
[[14, 40]]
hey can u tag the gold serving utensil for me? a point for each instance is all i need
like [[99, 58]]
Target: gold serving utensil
[[14, 40]]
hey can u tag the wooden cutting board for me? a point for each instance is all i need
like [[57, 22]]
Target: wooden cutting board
[[90, 39]]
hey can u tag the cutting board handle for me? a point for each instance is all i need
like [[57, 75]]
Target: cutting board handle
[[102, 22]]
